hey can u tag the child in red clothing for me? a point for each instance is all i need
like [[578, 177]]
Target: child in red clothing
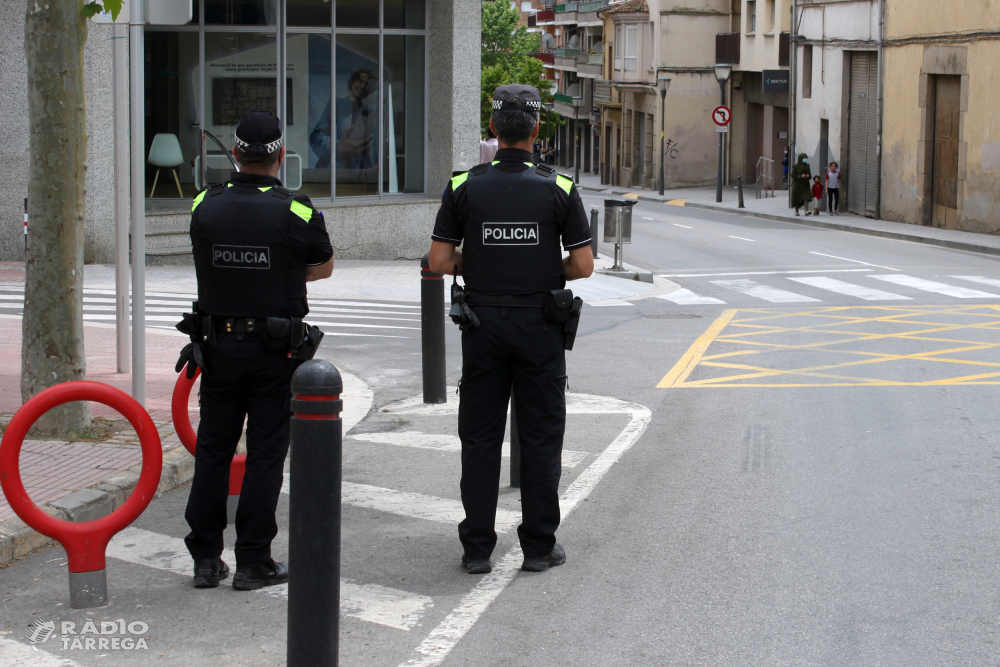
[[817, 193]]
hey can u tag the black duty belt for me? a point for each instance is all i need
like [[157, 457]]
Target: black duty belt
[[239, 324], [507, 300]]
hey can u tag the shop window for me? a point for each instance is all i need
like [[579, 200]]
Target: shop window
[[403, 101], [309, 13], [241, 12], [355, 139]]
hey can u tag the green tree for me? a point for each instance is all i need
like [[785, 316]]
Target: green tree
[[508, 56], [52, 326]]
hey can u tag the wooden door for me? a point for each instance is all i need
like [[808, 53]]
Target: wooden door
[[945, 178]]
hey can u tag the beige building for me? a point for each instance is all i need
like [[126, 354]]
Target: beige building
[[941, 136], [644, 40]]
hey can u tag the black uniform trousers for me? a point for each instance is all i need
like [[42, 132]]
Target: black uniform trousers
[[519, 348], [245, 380]]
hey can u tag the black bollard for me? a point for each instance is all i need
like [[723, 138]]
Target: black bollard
[[314, 516], [515, 447], [739, 189], [593, 231], [432, 333]]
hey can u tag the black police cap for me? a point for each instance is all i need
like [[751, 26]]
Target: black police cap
[[259, 132], [517, 97]]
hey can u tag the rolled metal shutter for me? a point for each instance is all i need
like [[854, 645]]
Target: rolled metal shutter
[[862, 177]]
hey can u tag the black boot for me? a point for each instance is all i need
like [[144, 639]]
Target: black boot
[[208, 572], [540, 564], [476, 566], [258, 576]]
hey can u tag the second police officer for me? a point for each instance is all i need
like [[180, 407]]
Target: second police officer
[[256, 245], [511, 217]]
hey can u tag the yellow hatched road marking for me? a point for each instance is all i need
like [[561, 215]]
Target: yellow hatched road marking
[[839, 324]]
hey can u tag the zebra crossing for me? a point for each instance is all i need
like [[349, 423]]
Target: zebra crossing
[[780, 287], [336, 317]]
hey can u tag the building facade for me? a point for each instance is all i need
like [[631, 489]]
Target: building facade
[[374, 124]]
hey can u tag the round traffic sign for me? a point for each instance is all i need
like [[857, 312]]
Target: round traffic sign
[[722, 115]]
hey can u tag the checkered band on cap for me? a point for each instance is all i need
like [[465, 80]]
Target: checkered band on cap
[[270, 148], [532, 104]]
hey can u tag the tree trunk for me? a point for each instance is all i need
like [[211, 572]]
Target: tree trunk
[[52, 329]]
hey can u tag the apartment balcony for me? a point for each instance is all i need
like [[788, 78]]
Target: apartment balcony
[[565, 13], [546, 57], [589, 65], [568, 106], [586, 13], [605, 94], [565, 59], [543, 17]]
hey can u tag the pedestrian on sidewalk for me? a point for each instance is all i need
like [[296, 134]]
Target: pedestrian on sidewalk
[[514, 320], [487, 147], [833, 189], [784, 170], [801, 193], [817, 193], [256, 245]]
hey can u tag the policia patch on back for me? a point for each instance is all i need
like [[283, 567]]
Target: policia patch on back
[[241, 257], [510, 233]]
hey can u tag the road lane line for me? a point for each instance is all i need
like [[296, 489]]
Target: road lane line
[[840, 287], [16, 654], [856, 261], [682, 369], [439, 643], [369, 602], [448, 443], [684, 226], [742, 239], [759, 291], [992, 282], [936, 287], [759, 273], [685, 297], [413, 505]]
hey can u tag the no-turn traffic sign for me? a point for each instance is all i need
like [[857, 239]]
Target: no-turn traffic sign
[[722, 115]]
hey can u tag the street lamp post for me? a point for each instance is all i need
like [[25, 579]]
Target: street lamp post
[[662, 83], [722, 73], [548, 125]]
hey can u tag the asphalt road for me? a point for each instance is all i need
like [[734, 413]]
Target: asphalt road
[[817, 483]]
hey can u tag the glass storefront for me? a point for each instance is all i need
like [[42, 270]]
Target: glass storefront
[[353, 98]]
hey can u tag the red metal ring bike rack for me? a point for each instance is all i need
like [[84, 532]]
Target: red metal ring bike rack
[[85, 543], [188, 438]]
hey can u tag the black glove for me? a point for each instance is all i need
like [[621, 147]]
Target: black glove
[[192, 356]]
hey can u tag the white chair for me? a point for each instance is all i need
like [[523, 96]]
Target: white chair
[[165, 153]]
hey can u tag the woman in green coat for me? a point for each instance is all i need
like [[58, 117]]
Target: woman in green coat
[[801, 178]]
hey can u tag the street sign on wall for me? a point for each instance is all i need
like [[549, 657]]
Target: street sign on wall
[[775, 80]]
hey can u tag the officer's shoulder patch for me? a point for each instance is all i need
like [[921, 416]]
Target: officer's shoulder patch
[[281, 193], [301, 210], [479, 169], [543, 170], [456, 181], [564, 183], [197, 200]]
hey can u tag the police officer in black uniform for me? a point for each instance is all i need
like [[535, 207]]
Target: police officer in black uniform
[[510, 216], [256, 244]]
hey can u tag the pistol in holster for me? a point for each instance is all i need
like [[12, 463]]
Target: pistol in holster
[[560, 306], [460, 312]]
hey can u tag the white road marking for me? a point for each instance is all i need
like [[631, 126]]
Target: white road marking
[[320, 302], [742, 239], [840, 287], [758, 291], [576, 404], [16, 654], [448, 443], [758, 273], [686, 297], [439, 643], [645, 218], [414, 505], [324, 309], [936, 287], [992, 282], [369, 602], [684, 226], [856, 261], [325, 323], [609, 304]]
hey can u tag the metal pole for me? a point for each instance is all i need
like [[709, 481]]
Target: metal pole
[[722, 148], [137, 119], [577, 136], [663, 121], [122, 325], [739, 189], [593, 231], [515, 447], [432, 333], [315, 475]]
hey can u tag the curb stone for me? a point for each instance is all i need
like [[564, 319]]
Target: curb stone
[[18, 540], [882, 233]]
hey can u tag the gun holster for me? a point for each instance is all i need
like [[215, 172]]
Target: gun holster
[[569, 328], [202, 334], [558, 305], [460, 312]]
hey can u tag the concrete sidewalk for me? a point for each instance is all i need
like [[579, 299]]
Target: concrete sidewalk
[[776, 208]]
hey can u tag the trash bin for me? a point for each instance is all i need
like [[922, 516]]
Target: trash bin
[[618, 220]]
